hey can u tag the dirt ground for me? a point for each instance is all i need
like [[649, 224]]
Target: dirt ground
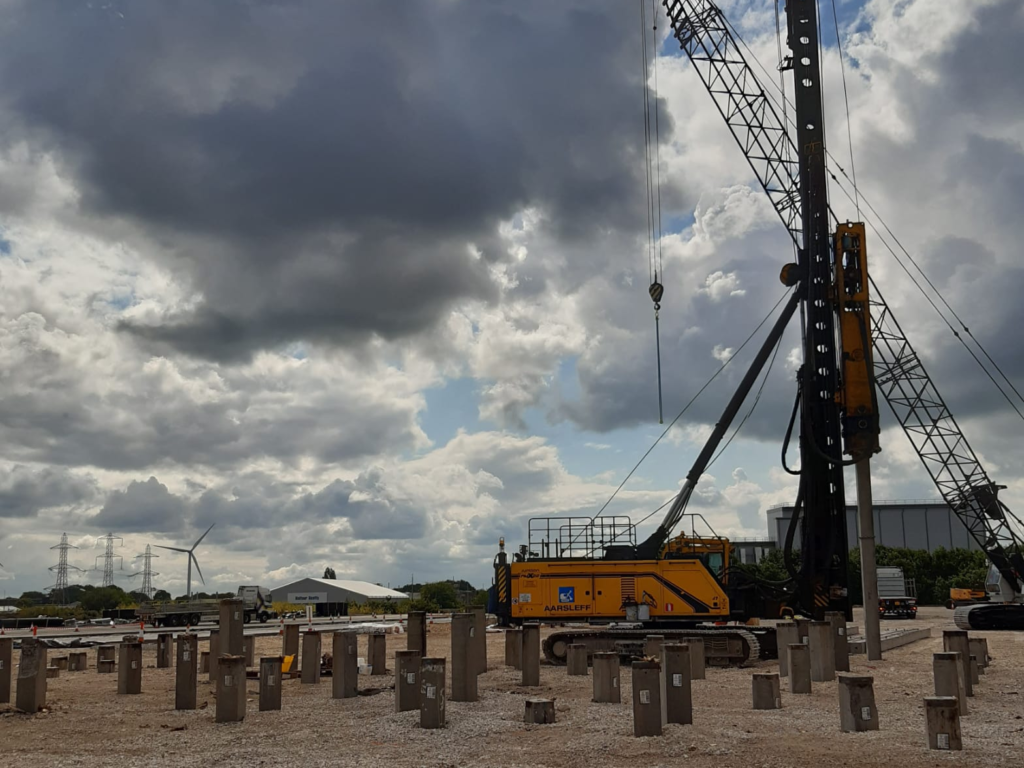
[[88, 724]]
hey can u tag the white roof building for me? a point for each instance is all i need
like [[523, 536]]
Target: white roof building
[[333, 591]]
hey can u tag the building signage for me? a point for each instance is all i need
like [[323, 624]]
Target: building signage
[[307, 597]]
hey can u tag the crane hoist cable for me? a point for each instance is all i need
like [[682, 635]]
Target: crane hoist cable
[[652, 159]]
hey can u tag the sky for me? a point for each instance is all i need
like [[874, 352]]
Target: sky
[[364, 285]]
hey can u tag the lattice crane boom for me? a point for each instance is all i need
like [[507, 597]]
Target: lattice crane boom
[[705, 36]]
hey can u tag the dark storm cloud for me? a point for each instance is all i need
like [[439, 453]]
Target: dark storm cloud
[[245, 510], [142, 507], [618, 375], [320, 168], [952, 173], [24, 491]]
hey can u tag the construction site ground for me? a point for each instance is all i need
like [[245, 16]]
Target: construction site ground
[[88, 724]]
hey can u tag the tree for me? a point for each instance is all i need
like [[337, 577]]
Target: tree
[[104, 599], [329, 573], [161, 595], [441, 593]]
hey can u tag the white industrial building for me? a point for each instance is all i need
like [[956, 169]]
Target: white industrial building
[[915, 524], [331, 597]]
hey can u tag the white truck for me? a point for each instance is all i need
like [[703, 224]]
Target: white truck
[[897, 595], [257, 604]]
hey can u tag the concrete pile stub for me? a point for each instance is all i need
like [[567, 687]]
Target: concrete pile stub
[[957, 641], [698, 662], [164, 650], [531, 654], [785, 635], [464, 657], [407, 680], [432, 696], [840, 641], [417, 640], [949, 678], [6, 665], [345, 665], [677, 693], [942, 723], [647, 709], [232, 626], [186, 674], [31, 694], [802, 629], [270, 683], [105, 658], [539, 711], [311, 658], [576, 660], [78, 661], [823, 654], [480, 638], [249, 650], [377, 653], [766, 691], [129, 669], [857, 710], [231, 689], [215, 653], [979, 647], [652, 646], [606, 678], [290, 643], [514, 648], [799, 668]]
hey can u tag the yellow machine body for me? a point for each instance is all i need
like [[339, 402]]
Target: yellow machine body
[[673, 589]]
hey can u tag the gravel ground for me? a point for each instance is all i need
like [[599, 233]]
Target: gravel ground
[[89, 724]]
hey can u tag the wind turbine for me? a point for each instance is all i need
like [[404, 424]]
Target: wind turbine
[[191, 559]]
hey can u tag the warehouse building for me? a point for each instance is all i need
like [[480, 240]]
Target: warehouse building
[[914, 524], [331, 597]]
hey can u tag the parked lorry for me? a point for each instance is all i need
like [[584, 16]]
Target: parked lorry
[[897, 595], [257, 604]]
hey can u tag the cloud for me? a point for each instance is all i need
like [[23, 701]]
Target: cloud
[[287, 169], [244, 245], [25, 491], [142, 506]]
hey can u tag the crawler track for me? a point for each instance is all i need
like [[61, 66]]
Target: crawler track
[[723, 646], [990, 616]]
